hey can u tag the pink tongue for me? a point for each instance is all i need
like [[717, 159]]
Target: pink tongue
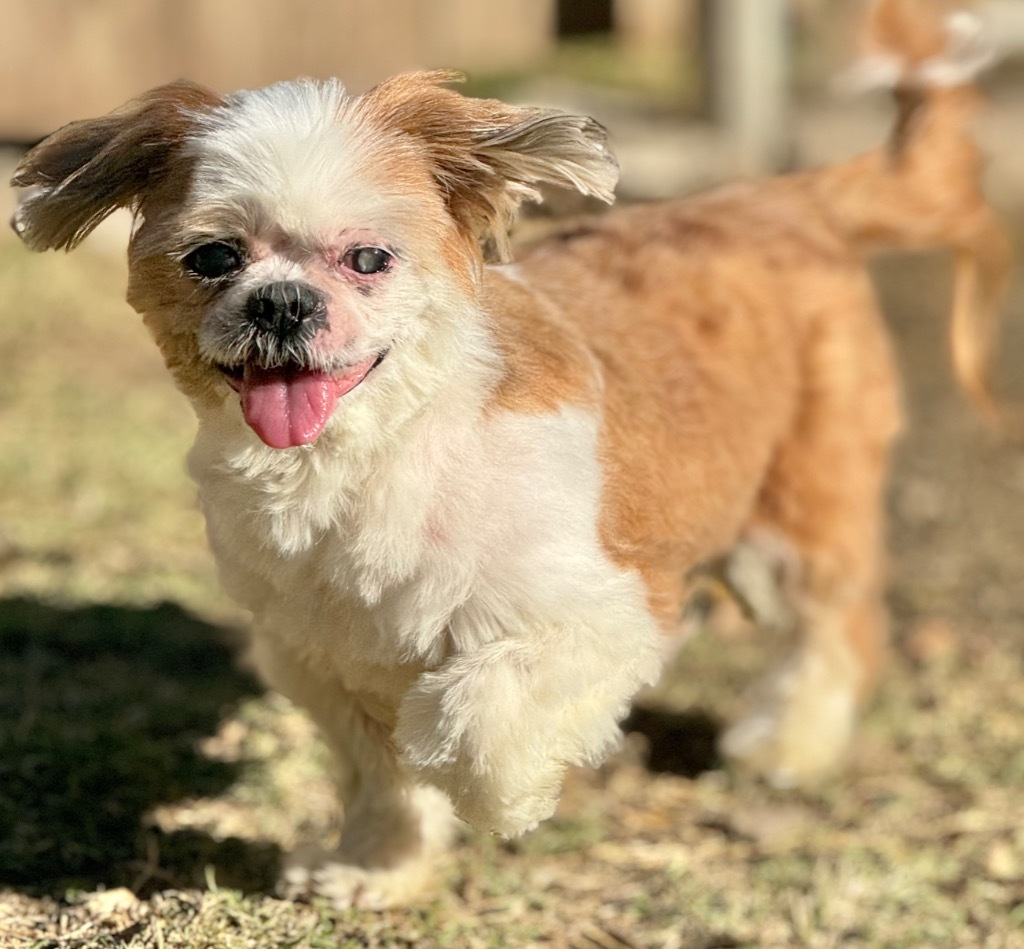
[[288, 407]]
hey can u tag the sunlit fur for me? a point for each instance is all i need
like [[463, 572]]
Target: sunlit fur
[[473, 568]]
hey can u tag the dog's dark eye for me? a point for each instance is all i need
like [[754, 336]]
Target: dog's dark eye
[[367, 260], [214, 260]]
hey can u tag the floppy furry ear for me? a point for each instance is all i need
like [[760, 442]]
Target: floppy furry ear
[[88, 169], [488, 157]]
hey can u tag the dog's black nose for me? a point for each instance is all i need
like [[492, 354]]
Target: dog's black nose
[[282, 308]]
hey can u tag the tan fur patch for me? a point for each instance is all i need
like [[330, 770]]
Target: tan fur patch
[[171, 303], [696, 315], [914, 28], [546, 359], [90, 168]]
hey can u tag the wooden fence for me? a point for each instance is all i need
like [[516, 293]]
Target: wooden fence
[[64, 59]]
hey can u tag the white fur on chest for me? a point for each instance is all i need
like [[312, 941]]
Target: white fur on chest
[[459, 533]]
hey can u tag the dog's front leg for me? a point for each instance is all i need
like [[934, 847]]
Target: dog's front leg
[[496, 727], [394, 828]]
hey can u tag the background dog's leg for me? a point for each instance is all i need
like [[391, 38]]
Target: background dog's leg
[[393, 829], [824, 499], [804, 713]]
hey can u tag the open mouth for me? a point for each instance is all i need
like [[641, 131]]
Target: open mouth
[[290, 405]]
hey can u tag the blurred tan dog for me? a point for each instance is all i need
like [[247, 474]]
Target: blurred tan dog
[[463, 502]]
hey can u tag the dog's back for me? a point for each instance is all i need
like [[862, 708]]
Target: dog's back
[[749, 396]]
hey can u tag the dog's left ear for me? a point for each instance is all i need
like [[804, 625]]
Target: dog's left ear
[[86, 170], [488, 157]]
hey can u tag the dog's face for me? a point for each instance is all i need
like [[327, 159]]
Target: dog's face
[[291, 240]]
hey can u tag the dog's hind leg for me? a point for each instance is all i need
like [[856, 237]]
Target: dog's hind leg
[[394, 829], [823, 499], [804, 712]]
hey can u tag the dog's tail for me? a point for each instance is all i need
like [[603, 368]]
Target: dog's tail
[[923, 189]]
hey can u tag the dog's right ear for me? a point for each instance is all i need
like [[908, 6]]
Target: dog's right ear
[[86, 170]]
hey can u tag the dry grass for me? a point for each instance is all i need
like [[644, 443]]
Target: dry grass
[[148, 786]]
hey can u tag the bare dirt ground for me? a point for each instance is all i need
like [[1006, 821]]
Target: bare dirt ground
[[148, 785]]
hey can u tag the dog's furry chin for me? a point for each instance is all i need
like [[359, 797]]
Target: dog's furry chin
[[466, 503]]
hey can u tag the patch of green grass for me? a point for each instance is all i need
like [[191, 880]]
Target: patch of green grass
[[95, 503]]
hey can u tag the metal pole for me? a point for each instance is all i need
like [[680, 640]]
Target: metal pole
[[751, 85]]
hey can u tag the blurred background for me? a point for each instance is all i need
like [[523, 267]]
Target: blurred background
[[136, 754], [718, 86]]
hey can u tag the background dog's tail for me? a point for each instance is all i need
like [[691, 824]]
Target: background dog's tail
[[923, 189]]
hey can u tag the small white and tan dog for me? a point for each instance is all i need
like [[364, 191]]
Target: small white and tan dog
[[464, 502]]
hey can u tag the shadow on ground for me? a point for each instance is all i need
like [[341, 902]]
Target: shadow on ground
[[683, 743], [101, 711]]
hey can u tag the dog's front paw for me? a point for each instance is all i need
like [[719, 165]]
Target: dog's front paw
[[496, 728], [800, 727], [499, 777], [497, 737], [388, 854], [315, 872]]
